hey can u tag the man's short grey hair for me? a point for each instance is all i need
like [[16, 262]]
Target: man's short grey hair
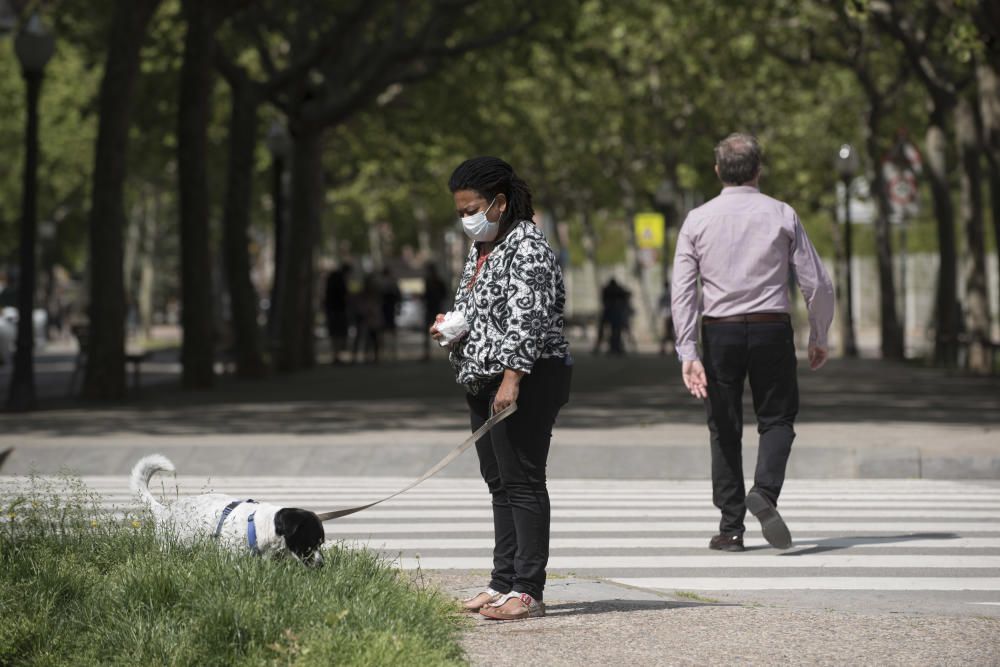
[[738, 157]]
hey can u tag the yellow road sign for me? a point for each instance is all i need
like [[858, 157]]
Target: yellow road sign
[[649, 230]]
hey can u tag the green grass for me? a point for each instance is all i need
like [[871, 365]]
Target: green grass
[[688, 595], [75, 590]]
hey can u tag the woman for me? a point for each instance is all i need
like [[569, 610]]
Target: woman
[[512, 296]]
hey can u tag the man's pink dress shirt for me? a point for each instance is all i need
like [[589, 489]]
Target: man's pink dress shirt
[[743, 244]]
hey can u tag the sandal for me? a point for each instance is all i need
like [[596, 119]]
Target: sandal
[[513, 607], [480, 600]]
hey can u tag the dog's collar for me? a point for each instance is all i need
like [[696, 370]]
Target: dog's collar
[[251, 526]]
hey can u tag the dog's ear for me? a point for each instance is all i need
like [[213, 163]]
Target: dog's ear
[[283, 523], [301, 529]]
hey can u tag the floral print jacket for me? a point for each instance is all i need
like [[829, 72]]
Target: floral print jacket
[[514, 308]]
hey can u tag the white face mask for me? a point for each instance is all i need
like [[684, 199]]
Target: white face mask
[[478, 228]]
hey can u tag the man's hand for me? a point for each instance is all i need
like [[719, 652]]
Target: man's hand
[[818, 354], [694, 378], [508, 391], [435, 334]]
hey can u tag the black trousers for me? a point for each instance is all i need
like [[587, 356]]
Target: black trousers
[[512, 459], [765, 352]]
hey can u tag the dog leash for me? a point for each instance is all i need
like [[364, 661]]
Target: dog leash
[[435, 469]]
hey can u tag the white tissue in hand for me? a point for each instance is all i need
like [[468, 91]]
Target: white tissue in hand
[[452, 327]]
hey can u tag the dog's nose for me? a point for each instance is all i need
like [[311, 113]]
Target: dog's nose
[[317, 559]]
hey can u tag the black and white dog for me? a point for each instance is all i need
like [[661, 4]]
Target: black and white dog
[[260, 528]]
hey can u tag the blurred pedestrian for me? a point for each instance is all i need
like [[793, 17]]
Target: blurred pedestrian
[[614, 315], [335, 307], [435, 292], [512, 296], [369, 322], [392, 298], [742, 245], [626, 312], [667, 335]]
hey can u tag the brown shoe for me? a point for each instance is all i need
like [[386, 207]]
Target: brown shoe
[[726, 543], [513, 607], [480, 600]]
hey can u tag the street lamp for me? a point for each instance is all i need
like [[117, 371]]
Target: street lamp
[[847, 165], [280, 145], [34, 46]]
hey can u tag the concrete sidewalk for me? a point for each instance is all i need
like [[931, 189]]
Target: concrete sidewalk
[[628, 418], [611, 624]]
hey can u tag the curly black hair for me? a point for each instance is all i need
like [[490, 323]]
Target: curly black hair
[[491, 176]]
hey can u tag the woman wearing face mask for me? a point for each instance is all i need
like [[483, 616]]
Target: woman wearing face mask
[[512, 296]]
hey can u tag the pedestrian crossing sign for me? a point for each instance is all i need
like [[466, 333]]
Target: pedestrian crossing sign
[[649, 230]]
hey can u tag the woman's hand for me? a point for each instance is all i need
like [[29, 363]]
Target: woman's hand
[[508, 391], [435, 334]]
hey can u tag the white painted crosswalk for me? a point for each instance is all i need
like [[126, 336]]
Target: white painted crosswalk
[[877, 535]]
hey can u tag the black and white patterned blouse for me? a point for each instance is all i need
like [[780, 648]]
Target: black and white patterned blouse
[[514, 308]]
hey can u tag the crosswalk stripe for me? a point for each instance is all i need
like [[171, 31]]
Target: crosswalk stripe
[[735, 584], [597, 543], [925, 489], [726, 561], [421, 502], [642, 513], [706, 528], [407, 510], [690, 499]]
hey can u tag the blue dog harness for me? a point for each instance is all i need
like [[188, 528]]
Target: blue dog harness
[[251, 526]]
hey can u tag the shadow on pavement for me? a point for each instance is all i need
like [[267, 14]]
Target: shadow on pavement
[[617, 606], [640, 390], [837, 543]]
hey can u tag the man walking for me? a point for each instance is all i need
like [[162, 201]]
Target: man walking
[[743, 245]]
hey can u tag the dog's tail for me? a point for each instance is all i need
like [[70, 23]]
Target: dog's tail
[[144, 471]]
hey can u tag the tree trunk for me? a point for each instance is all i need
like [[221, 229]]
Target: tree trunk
[[995, 207], [147, 266], [988, 83], [946, 303], [133, 237], [296, 350], [22, 395], [197, 349], [105, 372], [891, 331], [236, 221], [590, 247], [840, 279], [977, 305]]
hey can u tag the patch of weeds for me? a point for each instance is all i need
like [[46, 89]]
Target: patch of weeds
[[688, 595]]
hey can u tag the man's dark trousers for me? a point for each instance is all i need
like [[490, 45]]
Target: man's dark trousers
[[764, 351]]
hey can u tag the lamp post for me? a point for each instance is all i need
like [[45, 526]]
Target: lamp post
[[847, 166], [34, 46], [280, 145]]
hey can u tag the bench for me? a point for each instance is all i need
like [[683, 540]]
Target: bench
[[81, 333]]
